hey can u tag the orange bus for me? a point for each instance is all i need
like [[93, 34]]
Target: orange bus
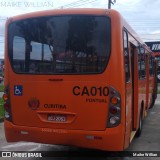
[[79, 77]]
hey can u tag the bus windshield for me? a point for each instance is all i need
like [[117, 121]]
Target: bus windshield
[[73, 44]]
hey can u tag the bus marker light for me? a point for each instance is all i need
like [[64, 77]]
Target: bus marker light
[[5, 97], [113, 120], [113, 110], [6, 106], [114, 100], [112, 92], [6, 114], [24, 132], [94, 137]]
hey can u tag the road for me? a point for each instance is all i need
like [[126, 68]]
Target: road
[[150, 138], [149, 141]]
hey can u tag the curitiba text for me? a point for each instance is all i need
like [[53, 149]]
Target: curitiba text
[[26, 4]]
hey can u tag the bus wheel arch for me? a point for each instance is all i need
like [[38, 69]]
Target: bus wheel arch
[[141, 115]]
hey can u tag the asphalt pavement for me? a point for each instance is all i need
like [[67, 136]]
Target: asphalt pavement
[[150, 137]]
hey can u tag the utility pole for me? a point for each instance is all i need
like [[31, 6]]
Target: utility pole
[[111, 2]]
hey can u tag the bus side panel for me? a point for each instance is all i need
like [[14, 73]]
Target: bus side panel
[[128, 115], [119, 81], [142, 96]]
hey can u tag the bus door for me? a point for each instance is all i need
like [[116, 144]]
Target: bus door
[[134, 73]]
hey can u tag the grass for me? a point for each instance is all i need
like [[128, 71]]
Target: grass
[[1, 108], [1, 87]]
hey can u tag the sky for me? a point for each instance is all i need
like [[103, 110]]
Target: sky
[[142, 15]]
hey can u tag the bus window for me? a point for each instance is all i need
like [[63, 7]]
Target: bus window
[[151, 66], [141, 63], [64, 46], [126, 56], [18, 53]]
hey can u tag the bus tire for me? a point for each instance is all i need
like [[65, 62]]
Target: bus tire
[[139, 131], [153, 102]]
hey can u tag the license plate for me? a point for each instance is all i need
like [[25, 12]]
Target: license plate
[[57, 118]]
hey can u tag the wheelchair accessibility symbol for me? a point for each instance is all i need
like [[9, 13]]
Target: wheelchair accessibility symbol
[[18, 90]]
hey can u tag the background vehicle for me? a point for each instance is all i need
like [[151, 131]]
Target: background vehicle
[[76, 77], [1, 79], [158, 75]]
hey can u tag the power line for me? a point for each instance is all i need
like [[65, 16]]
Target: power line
[[73, 3], [86, 3], [77, 3], [150, 33]]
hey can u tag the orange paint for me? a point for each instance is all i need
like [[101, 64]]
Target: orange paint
[[64, 84]]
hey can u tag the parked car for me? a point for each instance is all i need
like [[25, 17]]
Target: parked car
[[1, 79]]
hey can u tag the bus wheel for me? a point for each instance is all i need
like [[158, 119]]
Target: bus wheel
[[153, 102], [139, 131]]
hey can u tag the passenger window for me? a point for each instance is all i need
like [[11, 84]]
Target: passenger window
[[19, 45], [143, 65], [151, 66], [126, 57], [52, 45], [141, 62]]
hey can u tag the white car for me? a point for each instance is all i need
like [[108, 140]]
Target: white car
[[1, 79]]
